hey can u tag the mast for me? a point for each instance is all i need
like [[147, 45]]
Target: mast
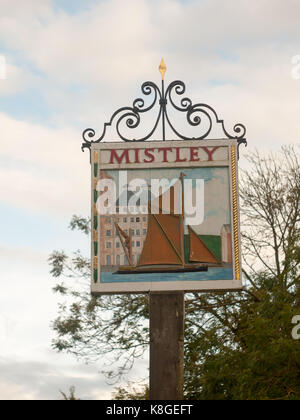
[[126, 242]]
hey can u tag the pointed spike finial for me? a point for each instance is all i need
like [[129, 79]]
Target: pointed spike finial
[[162, 69]]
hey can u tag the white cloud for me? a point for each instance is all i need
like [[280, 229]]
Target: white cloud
[[117, 42], [31, 380], [95, 61], [86, 47], [17, 79], [15, 392], [43, 169], [24, 254]]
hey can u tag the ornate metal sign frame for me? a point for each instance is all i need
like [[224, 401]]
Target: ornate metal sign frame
[[195, 116]]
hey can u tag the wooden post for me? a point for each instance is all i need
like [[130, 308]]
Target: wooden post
[[166, 345]]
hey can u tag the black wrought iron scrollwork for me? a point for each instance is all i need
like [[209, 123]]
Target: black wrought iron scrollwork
[[195, 116]]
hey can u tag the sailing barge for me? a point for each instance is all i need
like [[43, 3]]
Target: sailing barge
[[163, 250]]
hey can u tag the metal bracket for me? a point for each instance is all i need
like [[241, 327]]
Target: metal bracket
[[195, 114]]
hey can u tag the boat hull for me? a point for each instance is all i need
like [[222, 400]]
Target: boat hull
[[169, 269]]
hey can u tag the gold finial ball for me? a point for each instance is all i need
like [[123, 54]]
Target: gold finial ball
[[162, 68]]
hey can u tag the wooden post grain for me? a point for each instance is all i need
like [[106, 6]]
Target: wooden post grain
[[166, 346]]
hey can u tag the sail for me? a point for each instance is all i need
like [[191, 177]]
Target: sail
[[160, 246], [199, 252], [164, 241]]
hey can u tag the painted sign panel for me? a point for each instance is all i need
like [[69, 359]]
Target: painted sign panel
[[165, 217]]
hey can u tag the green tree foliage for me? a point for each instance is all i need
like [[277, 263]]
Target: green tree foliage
[[243, 348], [131, 392], [113, 328], [237, 345]]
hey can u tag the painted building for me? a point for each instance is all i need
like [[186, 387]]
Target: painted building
[[112, 253], [226, 244], [135, 219]]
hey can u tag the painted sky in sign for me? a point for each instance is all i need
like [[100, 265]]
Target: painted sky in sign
[[69, 66], [216, 192]]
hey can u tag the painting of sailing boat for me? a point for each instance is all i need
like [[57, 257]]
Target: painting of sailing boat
[[145, 243]]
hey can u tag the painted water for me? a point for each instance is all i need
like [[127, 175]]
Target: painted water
[[214, 273]]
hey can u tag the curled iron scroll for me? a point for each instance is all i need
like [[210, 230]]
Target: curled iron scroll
[[199, 115]]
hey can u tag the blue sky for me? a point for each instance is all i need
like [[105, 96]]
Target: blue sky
[[70, 64], [73, 7]]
